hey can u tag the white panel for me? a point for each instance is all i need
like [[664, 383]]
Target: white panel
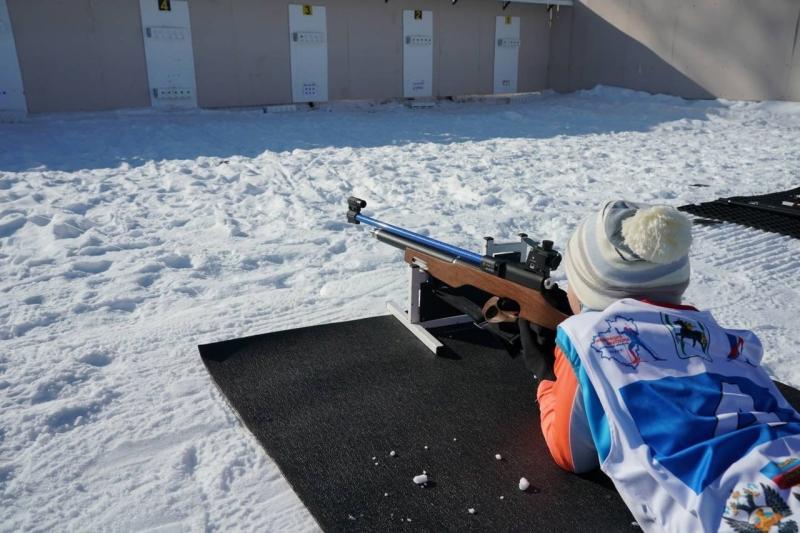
[[168, 52], [12, 96], [417, 53], [308, 45], [506, 54]]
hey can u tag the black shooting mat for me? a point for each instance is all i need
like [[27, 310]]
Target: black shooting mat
[[776, 212], [329, 402]]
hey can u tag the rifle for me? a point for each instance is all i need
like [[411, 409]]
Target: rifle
[[519, 284]]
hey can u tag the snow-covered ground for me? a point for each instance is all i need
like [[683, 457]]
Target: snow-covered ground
[[128, 238]]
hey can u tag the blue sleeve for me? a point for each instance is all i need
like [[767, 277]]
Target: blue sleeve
[[598, 424]]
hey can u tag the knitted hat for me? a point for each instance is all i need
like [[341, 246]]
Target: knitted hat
[[630, 250]]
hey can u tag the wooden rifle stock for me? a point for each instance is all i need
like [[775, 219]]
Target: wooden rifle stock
[[532, 305]]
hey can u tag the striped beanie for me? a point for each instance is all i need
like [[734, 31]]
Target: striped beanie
[[630, 250]]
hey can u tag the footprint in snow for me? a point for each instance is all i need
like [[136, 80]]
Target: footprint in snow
[[50, 389], [10, 225], [150, 268], [79, 208], [91, 267], [177, 222], [96, 359], [72, 416], [338, 248], [6, 472], [146, 280], [188, 462], [177, 261], [252, 190], [20, 329], [123, 304], [40, 220], [68, 418], [66, 231]]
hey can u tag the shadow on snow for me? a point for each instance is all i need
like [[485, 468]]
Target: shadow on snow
[[107, 140]]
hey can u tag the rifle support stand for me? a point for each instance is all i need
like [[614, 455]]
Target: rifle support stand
[[412, 317]]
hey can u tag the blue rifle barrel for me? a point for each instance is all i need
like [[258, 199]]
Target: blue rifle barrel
[[455, 251]]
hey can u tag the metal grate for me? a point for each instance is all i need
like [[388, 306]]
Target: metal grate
[[775, 212]]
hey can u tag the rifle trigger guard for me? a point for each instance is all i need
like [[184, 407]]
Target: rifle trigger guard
[[497, 310]]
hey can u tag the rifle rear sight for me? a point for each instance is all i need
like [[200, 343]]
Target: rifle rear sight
[[542, 258]]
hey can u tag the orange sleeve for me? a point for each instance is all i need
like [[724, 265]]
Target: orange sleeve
[[555, 405]]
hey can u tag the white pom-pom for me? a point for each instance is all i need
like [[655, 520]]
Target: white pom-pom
[[659, 234]]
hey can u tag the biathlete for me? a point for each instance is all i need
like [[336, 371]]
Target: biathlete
[[672, 406]]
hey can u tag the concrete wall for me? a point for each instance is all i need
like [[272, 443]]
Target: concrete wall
[[89, 54], [242, 48], [241, 52], [736, 49], [80, 54]]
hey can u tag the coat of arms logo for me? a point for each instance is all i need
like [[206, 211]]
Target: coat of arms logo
[[690, 336], [758, 509]]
